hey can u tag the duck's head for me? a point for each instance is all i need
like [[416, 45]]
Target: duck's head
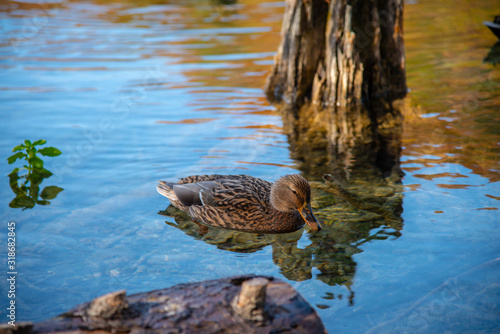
[[292, 192]]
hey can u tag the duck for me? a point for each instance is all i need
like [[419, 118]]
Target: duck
[[243, 202]]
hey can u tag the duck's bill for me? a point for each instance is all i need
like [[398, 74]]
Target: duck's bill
[[313, 222]]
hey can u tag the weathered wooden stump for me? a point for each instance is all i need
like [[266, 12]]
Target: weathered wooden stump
[[241, 304], [338, 76]]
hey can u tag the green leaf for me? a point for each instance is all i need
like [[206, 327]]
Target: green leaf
[[14, 171], [31, 152], [24, 202], [49, 151], [37, 162], [13, 177], [50, 192], [34, 189], [16, 156], [43, 172], [27, 143], [39, 142], [35, 178], [18, 148]]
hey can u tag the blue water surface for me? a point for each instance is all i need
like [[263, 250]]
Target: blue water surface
[[135, 92]]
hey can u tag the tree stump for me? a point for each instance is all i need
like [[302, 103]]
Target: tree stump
[[338, 71]]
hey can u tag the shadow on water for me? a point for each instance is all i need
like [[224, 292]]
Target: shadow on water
[[493, 56], [351, 215]]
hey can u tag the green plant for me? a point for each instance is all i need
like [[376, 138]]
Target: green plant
[[27, 192], [34, 162]]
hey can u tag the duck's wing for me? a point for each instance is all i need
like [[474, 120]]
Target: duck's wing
[[197, 193], [238, 193], [234, 203], [189, 189]]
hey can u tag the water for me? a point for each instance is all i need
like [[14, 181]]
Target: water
[[133, 92]]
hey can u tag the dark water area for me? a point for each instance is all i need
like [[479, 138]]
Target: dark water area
[[133, 92]]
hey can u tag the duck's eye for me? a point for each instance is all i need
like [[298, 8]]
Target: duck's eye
[[294, 191]]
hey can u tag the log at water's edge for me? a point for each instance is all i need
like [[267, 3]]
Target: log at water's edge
[[240, 304]]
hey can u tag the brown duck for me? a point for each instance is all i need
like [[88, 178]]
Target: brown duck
[[243, 202]]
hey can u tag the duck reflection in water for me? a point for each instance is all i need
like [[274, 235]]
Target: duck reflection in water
[[348, 222], [330, 256]]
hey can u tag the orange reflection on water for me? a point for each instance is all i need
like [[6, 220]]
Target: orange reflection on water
[[188, 121], [453, 186], [431, 177], [452, 109], [272, 127], [265, 163]]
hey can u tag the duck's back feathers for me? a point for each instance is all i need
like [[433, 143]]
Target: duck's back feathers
[[234, 203]]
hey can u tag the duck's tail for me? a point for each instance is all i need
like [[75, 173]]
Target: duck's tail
[[167, 189]]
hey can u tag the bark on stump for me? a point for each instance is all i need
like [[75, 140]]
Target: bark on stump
[[339, 69]]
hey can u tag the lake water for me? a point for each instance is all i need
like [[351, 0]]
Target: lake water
[[136, 91]]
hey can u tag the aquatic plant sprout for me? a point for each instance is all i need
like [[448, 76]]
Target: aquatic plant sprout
[[27, 192], [34, 162]]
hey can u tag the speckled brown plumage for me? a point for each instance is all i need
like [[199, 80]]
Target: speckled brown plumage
[[244, 202]]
